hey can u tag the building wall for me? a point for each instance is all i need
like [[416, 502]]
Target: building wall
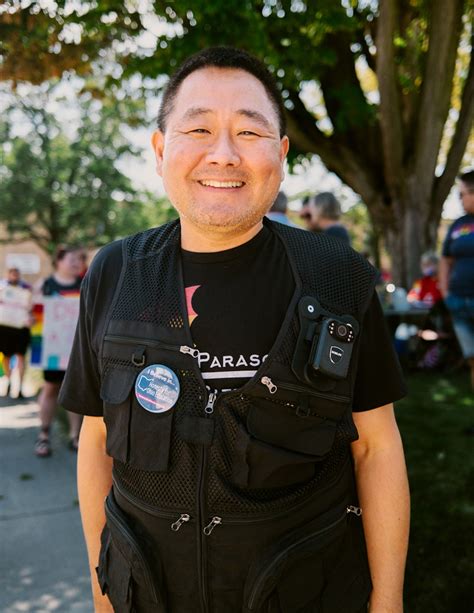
[[32, 252]]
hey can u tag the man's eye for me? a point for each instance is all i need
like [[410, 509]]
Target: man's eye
[[248, 133], [199, 131]]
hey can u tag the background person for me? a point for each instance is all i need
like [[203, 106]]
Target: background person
[[64, 280], [433, 346], [425, 290], [278, 211], [14, 341], [322, 213], [456, 274]]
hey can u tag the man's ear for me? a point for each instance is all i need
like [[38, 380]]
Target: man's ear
[[284, 147], [158, 143]]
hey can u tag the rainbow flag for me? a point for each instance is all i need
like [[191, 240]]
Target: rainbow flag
[[37, 335]]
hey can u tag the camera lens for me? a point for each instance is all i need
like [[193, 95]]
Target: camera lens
[[342, 330]]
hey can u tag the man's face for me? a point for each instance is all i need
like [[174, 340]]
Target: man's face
[[13, 276], [466, 193], [70, 264], [221, 156], [311, 216]]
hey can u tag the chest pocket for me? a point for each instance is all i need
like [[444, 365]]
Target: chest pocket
[[287, 433], [135, 435]]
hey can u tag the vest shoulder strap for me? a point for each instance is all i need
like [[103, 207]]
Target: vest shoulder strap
[[342, 279]]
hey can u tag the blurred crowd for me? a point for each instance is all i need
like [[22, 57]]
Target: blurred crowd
[[18, 314]]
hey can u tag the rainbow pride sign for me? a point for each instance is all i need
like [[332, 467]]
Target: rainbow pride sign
[[53, 330]]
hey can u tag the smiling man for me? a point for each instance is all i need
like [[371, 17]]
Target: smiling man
[[236, 379]]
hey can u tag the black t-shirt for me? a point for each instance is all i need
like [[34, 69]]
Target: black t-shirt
[[51, 287], [237, 300]]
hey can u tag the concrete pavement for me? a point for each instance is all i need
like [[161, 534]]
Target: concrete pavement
[[43, 562]]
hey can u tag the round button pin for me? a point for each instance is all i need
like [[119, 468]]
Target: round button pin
[[157, 388]]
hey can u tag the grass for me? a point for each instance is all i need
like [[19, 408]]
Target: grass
[[440, 459]]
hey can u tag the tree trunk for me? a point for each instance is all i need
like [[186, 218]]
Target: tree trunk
[[407, 242]]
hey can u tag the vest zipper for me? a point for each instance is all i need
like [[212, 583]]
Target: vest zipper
[[202, 552], [215, 521], [211, 399], [227, 520], [267, 571], [273, 388], [262, 518], [184, 517], [129, 340], [124, 529]]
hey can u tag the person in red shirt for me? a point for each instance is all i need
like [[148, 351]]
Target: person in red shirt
[[425, 291]]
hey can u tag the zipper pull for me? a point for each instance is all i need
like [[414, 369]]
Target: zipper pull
[[192, 351], [272, 388], [356, 510], [211, 399], [184, 517], [213, 523]]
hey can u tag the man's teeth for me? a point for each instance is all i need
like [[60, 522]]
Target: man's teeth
[[222, 183]]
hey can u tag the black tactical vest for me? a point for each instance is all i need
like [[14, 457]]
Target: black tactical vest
[[242, 501]]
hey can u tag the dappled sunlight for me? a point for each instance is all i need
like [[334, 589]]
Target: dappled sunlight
[[61, 596], [16, 415]]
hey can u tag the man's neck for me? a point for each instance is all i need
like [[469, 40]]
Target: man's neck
[[205, 240]]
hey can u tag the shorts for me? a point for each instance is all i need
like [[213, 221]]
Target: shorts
[[14, 341], [462, 315], [54, 376]]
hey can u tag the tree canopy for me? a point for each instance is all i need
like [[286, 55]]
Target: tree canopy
[[62, 185], [382, 91]]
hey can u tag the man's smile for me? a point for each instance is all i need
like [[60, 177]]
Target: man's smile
[[221, 184]]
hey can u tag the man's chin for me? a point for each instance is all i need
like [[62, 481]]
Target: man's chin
[[225, 224]]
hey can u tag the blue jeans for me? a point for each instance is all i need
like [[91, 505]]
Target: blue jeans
[[462, 315]]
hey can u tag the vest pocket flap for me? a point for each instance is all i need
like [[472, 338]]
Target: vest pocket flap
[[264, 465], [116, 385], [132, 553], [115, 576], [291, 427]]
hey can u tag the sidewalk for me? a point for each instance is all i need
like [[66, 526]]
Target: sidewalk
[[43, 562]]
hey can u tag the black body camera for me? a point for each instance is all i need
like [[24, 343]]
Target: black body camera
[[324, 346], [332, 348]]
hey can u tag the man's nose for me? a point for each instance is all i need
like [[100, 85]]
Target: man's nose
[[223, 151]]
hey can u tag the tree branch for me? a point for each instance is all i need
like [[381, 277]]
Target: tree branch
[[445, 31], [352, 116], [390, 110], [336, 156], [460, 138]]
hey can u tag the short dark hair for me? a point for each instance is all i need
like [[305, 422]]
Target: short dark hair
[[328, 205], [467, 178], [281, 203], [61, 252], [222, 57]]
